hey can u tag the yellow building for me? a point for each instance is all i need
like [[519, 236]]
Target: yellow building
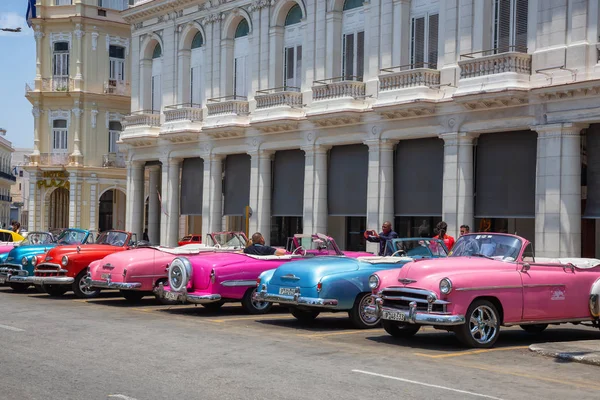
[[80, 94]]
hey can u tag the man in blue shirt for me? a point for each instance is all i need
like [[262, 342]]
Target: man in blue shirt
[[382, 238], [258, 248]]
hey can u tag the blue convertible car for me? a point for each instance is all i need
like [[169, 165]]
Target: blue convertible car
[[20, 261], [339, 283]]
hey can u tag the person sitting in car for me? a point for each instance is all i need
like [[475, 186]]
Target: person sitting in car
[[258, 247]]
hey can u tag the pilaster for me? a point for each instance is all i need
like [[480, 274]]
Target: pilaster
[[212, 194], [93, 201], [260, 192], [315, 189], [172, 202], [154, 209], [135, 201]]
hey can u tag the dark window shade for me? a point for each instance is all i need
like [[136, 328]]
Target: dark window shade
[[505, 175], [418, 177], [237, 184], [418, 42], [116, 52], [502, 22], [288, 184], [348, 56], [192, 178], [521, 25], [592, 204], [347, 180], [360, 55], [432, 41]]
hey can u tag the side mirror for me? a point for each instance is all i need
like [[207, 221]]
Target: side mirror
[[525, 267]]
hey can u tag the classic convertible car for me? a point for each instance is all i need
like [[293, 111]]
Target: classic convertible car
[[488, 281], [339, 284], [8, 240], [65, 267], [21, 260], [137, 273], [213, 279]]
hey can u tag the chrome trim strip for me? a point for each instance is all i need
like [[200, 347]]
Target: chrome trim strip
[[112, 285], [49, 280], [17, 279], [550, 321], [153, 276], [545, 285], [49, 271], [291, 277], [422, 292], [488, 288], [184, 297], [7, 266], [295, 300], [240, 282], [412, 316]]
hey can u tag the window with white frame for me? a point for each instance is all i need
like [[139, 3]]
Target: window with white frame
[[116, 65], [63, 2], [59, 136], [114, 132], [156, 90], [424, 41], [196, 86], [119, 5], [509, 30], [240, 55], [60, 66], [353, 40], [292, 56]]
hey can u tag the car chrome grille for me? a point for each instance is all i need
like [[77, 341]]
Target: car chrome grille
[[402, 297], [47, 270]]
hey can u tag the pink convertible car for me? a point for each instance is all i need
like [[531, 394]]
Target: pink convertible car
[[489, 280], [212, 280], [137, 273]]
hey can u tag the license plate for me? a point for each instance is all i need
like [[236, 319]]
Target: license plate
[[105, 276], [2, 280], [171, 296], [393, 315], [287, 291]]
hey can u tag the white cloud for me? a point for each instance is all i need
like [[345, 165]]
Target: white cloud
[[14, 20]]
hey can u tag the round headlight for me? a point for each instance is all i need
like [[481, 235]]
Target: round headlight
[[33, 260], [445, 286], [24, 260], [64, 261], [373, 282], [179, 274]]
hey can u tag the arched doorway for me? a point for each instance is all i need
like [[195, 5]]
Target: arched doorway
[[58, 209], [111, 210]]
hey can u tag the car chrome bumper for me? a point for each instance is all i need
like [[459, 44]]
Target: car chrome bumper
[[412, 316], [184, 297], [112, 285], [295, 300], [48, 280]]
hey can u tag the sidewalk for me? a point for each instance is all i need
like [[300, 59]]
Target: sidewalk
[[582, 351]]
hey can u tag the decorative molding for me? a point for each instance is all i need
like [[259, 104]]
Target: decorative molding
[[78, 112], [277, 126], [38, 34], [78, 32], [337, 120], [569, 92], [59, 114], [94, 117], [558, 130], [95, 40], [407, 112], [36, 112], [111, 116], [259, 4], [489, 103], [117, 41], [138, 25], [212, 18], [60, 37], [225, 132], [459, 138]]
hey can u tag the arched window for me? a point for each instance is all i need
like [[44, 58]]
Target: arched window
[[157, 53], [196, 87], [197, 41], [59, 136], [294, 16], [156, 98], [350, 4], [242, 29], [60, 66]]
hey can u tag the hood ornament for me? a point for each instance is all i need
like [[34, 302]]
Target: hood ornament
[[406, 281]]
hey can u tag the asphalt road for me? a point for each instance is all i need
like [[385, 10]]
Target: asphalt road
[[107, 348]]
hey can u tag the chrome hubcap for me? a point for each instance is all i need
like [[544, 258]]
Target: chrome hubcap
[[368, 319], [176, 278], [259, 305], [85, 289], [483, 324]]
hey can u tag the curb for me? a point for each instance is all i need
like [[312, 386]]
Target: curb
[[567, 356]]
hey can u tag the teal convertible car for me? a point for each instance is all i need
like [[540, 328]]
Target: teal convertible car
[[335, 284], [21, 260]]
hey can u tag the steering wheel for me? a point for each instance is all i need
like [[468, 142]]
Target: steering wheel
[[401, 252], [299, 250], [119, 243]]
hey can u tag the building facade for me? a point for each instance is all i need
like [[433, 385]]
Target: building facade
[[6, 179], [335, 116], [19, 191], [80, 94]]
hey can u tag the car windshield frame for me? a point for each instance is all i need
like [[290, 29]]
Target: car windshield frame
[[113, 238], [494, 246], [76, 237], [316, 244], [227, 239], [48, 239], [422, 247]]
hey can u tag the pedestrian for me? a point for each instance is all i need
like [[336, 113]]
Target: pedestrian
[[258, 247], [145, 235], [441, 228], [16, 227], [382, 238], [464, 230]]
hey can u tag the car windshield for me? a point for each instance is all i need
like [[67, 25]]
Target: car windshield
[[227, 239], [112, 238], [417, 247], [38, 238], [313, 244], [186, 239], [70, 237], [493, 246]]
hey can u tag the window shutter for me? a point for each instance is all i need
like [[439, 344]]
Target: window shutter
[[289, 66], [348, 67], [360, 55], [418, 42], [502, 26], [432, 41], [521, 25], [240, 77], [156, 93], [298, 82]]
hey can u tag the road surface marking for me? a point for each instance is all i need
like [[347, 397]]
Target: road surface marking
[[255, 318], [318, 335], [470, 352], [12, 328], [428, 385], [121, 396]]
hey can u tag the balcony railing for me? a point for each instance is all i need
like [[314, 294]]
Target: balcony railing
[[228, 105], [119, 5], [491, 64], [333, 88], [48, 159], [406, 76], [142, 118], [119, 88], [282, 96], [8, 176], [183, 112], [113, 160], [5, 198], [57, 84]]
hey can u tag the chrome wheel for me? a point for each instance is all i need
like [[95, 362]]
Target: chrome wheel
[[254, 306], [358, 314], [483, 324], [85, 288]]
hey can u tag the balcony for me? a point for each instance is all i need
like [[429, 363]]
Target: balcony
[[286, 96], [141, 118], [113, 160], [276, 107], [408, 83], [340, 87], [8, 176], [47, 159], [333, 96], [118, 88], [228, 105], [183, 112], [227, 116]]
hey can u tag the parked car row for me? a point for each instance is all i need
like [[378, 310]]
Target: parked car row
[[488, 280]]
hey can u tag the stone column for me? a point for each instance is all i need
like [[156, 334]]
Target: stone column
[[36, 132], [212, 194], [558, 190], [401, 33], [315, 189], [135, 201], [32, 223], [94, 201], [457, 192], [73, 203], [260, 193], [227, 67], [77, 157], [38, 59], [79, 56], [172, 205], [145, 102], [333, 56], [154, 211], [183, 83]]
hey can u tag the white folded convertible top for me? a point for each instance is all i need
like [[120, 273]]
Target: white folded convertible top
[[581, 263], [283, 257], [384, 260], [194, 249]]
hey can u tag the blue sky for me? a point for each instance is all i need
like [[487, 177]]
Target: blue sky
[[17, 66]]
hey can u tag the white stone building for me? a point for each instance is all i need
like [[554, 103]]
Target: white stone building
[[335, 116], [6, 179], [19, 191]]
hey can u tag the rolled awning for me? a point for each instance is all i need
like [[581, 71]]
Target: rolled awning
[[288, 184], [237, 184], [347, 180], [592, 204], [192, 178]]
